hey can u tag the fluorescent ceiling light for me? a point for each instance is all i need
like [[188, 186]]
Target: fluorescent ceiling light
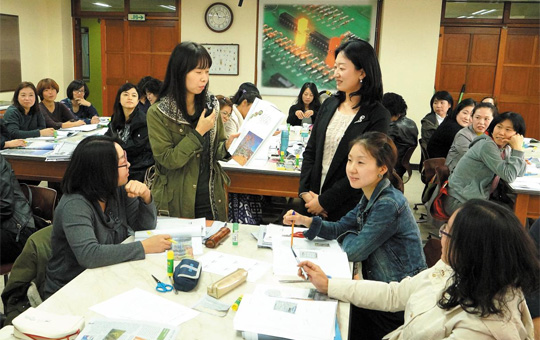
[[172, 8], [101, 4], [462, 17], [491, 10], [478, 12]]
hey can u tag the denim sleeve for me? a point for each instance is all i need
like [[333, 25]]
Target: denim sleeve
[[379, 226], [331, 230]]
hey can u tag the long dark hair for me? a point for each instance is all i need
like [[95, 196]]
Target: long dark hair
[[492, 256], [185, 57], [363, 56], [118, 119], [93, 169], [35, 108], [315, 103]]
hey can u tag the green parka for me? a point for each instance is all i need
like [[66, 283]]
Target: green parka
[[177, 150]]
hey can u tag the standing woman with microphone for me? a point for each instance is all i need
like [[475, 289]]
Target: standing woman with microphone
[[188, 140]]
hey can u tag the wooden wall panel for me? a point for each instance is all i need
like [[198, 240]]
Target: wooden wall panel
[[452, 77], [485, 48], [115, 36], [480, 79], [140, 66], [456, 47], [140, 39], [519, 49], [515, 80], [159, 65], [164, 39]]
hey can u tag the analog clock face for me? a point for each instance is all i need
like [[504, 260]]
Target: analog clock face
[[219, 17]]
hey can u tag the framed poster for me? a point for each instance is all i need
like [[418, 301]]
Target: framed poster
[[297, 40], [224, 58]]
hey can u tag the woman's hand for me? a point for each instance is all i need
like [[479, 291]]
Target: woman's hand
[[231, 138], [95, 120], [48, 132], [308, 113], [315, 275], [156, 244], [138, 189], [205, 124], [516, 142], [15, 143], [313, 206], [83, 102], [298, 219], [299, 114]]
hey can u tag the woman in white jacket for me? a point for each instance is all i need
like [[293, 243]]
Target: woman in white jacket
[[474, 292]]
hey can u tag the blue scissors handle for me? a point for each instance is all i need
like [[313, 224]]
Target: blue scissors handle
[[162, 287]]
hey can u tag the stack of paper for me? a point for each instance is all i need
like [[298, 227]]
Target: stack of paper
[[100, 328], [224, 264], [287, 318], [325, 253]]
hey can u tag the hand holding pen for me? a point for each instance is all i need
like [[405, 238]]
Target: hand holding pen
[[315, 274]]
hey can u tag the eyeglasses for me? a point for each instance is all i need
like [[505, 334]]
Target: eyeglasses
[[442, 231], [125, 158], [79, 91], [226, 114]]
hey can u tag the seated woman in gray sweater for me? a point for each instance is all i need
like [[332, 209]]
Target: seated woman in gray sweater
[[99, 210], [489, 159]]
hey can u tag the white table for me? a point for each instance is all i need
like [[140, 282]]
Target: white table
[[96, 285]]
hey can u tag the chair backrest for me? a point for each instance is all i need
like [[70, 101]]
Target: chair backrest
[[443, 172], [42, 200], [406, 162], [432, 251], [423, 154], [429, 168]]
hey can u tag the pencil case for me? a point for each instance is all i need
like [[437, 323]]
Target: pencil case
[[186, 275], [214, 240], [228, 283]]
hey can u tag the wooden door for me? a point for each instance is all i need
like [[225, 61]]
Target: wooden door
[[518, 76], [468, 55], [132, 50]]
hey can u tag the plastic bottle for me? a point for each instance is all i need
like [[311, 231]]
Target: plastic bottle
[[170, 263], [284, 141], [235, 234]]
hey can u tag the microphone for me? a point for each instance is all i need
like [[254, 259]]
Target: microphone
[[210, 105]]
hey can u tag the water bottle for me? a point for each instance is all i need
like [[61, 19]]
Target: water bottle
[[284, 141], [304, 133]]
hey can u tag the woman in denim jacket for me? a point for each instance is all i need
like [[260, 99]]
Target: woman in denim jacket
[[380, 231]]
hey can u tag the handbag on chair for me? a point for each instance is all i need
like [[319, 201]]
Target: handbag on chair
[[437, 207]]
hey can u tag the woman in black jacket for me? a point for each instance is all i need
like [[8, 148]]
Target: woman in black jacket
[[306, 107], [442, 139], [128, 124], [356, 108]]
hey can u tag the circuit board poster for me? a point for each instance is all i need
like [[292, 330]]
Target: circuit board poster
[[297, 41]]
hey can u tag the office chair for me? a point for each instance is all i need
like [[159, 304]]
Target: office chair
[[406, 163]]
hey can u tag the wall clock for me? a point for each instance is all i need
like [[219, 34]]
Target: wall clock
[[218, 17]]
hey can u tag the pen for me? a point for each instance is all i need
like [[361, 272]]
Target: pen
[[236, 303], [292, 233], [298, 261]]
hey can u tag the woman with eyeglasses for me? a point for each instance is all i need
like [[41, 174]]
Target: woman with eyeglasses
[[128, 124], [304, 111], [99, 209], [474, 292], [225, 108], [77, 94]]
